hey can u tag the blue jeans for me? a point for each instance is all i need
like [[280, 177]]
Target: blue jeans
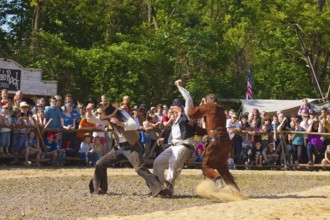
[[89, 156], [318, 153]]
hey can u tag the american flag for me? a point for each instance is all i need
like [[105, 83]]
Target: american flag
[[249, 86]]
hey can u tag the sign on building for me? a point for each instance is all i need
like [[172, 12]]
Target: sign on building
[[14, 77]]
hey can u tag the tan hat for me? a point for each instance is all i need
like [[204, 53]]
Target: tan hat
[[87, 135], [23, 104]]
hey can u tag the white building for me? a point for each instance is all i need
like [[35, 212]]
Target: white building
[[14, 77]]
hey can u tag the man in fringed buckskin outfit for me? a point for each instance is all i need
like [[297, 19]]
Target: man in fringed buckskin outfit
[[216, 153], [124, 130]]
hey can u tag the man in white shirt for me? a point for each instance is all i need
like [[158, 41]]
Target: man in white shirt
[[181, 140]]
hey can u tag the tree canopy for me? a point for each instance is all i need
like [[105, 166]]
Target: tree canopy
[[139, 47]]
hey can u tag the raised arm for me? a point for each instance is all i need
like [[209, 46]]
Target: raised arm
[[186, 95]]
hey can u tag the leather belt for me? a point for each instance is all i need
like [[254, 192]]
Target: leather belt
[[124, 145], [216, 138], [184, 144]]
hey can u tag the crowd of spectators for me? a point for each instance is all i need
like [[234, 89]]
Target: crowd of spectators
[[258, 139]]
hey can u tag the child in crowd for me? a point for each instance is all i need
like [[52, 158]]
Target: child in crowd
[[6, 120], [326, 159], [265, 137], [305, 106], [51, 148], [145, 138], [199, 152], [258, 153], [60, 151], [271, 154], [31, 147], [4, 97], [98, 146], [86, 150], [230, 162]]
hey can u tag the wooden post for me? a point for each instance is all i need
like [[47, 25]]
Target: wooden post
[[46, 126], [39, 134]]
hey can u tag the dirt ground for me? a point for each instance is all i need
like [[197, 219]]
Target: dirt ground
[[47, 193]]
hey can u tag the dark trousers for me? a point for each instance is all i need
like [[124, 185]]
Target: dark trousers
[[99, 184], [215, 161]]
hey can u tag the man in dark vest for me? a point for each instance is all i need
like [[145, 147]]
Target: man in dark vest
[[181, 140], [216, 153], [124, 130]]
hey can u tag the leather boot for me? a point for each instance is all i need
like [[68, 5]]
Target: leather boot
[[152, 181]]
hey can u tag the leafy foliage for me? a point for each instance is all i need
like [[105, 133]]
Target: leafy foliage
[[138, 48]]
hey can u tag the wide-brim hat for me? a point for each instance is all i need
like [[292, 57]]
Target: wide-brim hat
[[87, 135], [109, 111], [23, 104]]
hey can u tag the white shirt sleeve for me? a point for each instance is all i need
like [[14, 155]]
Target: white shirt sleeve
[[92, 119], [130, 124], [189, 102]]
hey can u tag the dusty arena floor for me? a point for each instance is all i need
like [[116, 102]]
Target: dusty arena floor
[[46, 193]]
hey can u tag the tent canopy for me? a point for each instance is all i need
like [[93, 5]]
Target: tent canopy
[[271, 106]]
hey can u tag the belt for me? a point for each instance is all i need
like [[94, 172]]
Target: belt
[[184, 144], [124, 145], [216, 138]]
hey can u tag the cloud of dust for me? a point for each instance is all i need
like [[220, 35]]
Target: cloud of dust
[[208, 190]]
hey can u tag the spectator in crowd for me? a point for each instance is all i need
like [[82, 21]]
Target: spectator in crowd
[[136, 114], [293, 120], [305, 123], [325, 129], [312, 115], [326, 159], [250, 118], [25, 108], [263, 116], [315, 144], [16, 131], [41, 104], [305, 106], [255, 154], [143, 111], [39, 117], [298, 141], [145, 138], [165, 110], [231, 163], [255, 130], [4, 97], [199, 151], [87, 151], [98, 147], [51, 148], [234, 127], [53, 113], [5, 120], [271, 154], [81, 111], [159, 112], [68, 122], [265, 139], [101, 133], [256, 116], [127, 102], [60, 151], [31, 147], [227, 114]]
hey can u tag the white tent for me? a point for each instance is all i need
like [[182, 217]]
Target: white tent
[[271, 106]]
